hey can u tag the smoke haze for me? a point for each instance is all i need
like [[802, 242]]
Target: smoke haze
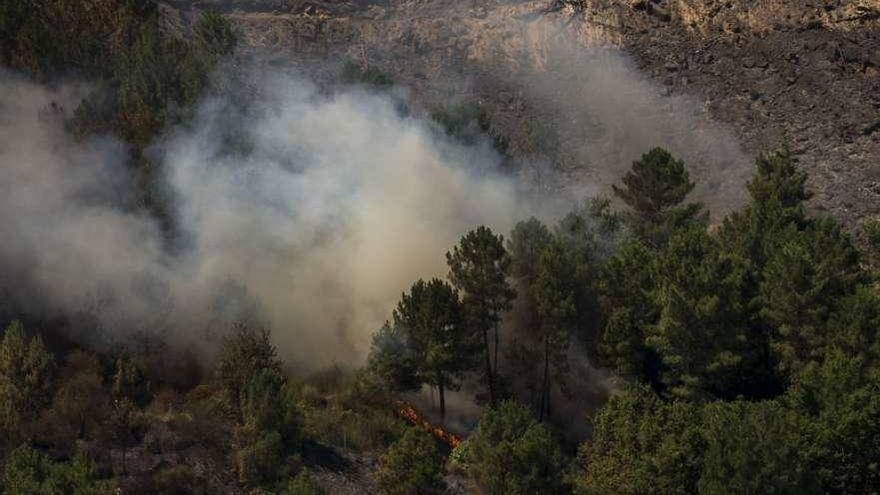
[[310, 212], [307, 210]]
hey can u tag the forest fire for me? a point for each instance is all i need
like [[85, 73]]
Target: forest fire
[[409, 413]]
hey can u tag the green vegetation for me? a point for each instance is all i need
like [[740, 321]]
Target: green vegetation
[[150, 76], [429, 329], [303, 484], [478, 267], [354, 73], [412, 466], [748, 355], [30, 472], [147, 77], [26, 370], [511, 453], [469, 123], [749, 351]]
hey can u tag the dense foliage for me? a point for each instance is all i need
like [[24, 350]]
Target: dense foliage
[[412, 466], [511, 453], [748, 351]]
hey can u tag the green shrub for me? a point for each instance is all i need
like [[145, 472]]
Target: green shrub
[[362, 430], [303, 484], [26, 370], [177, 480], [412, 466], [458, 456], [30, 472], [512, 454], [353, 73], [260, 460]]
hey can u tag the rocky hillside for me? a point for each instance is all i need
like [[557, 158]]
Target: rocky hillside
[[715, 81], [806, 71]]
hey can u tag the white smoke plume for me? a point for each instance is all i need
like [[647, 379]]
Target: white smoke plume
[[318, 208]]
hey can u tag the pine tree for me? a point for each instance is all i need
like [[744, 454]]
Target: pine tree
[[478, 268], [807, 275], [625, 287], [778, 193], [393, 360], [245, 351], [754, 447], [431, 315], [840, 399], [654, 191], [589, 235], [554, 292], [703, 326], [527, 240]]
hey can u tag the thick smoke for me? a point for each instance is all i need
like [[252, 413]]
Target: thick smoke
[[561, 88], [312, 210], [318, 208], [339, 203]]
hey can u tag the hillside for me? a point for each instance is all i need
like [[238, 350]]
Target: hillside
[[439, 247], [806, 72]]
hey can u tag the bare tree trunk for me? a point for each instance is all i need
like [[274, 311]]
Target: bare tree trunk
[[442, 393], [495, 369], [545, 392], [489, 378]]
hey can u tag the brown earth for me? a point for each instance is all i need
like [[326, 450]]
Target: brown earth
[[715, 81]]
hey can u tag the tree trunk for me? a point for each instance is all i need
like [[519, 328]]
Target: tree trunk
[[495, 366], [441, 392], [545, 392], [489, 378]]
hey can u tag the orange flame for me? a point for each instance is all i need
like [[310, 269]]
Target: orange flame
[[410, 414]]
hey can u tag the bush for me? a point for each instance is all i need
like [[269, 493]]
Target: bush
[[468, 123], [177, 480], [270, 429], [512, 454], [245, 351], [80, 405], [642, 444], [361, 430], [303, 484], [353, 73], [26, 370], [412, 466], [30, 472], [261, 460]]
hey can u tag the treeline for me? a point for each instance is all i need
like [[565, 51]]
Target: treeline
[[147, 77], [88, 425], [748, 350], [748, 353]]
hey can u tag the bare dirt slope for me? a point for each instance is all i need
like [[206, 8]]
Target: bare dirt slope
[[715, 81]]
